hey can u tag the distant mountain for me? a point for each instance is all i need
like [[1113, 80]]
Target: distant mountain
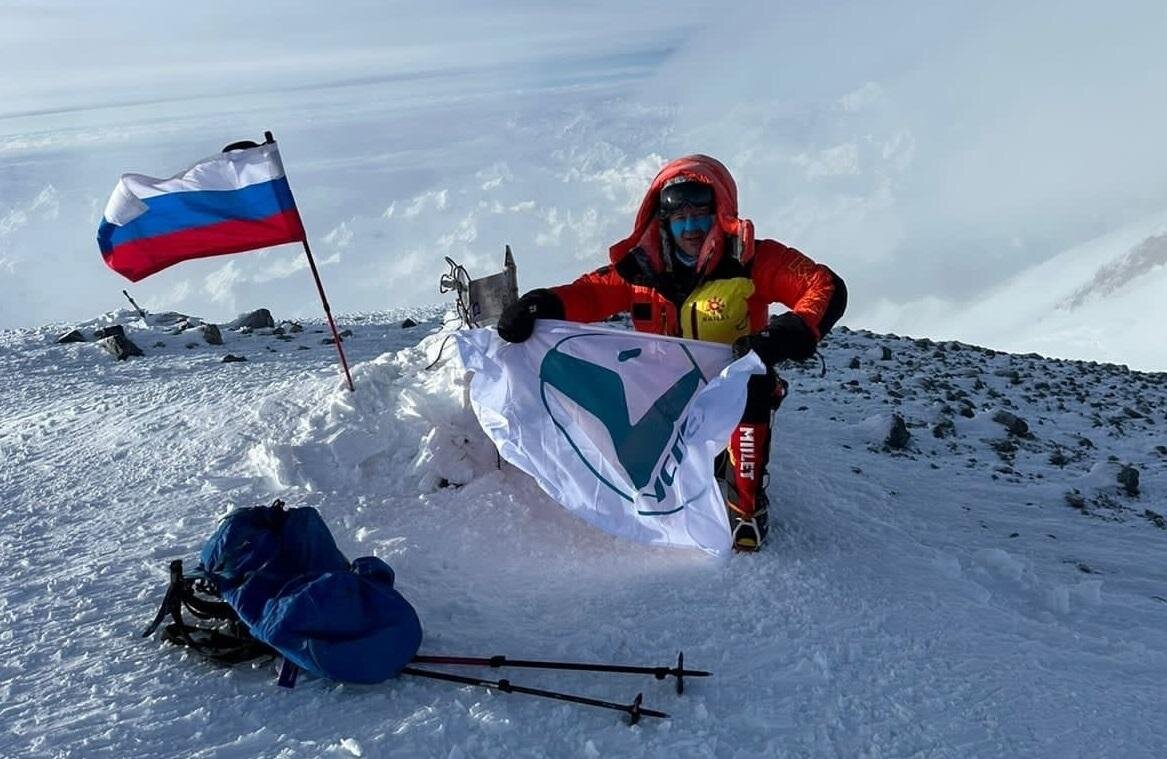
[[1145, 257], [1102, 300]]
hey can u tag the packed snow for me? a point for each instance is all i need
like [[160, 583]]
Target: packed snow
[[965, 559]]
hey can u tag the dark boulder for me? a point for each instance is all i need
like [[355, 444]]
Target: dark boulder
[[211, 334], [1015, 424], [113, 330], [72, 336], [120, 346], [258, 319], [1128, 479], [898, 436]]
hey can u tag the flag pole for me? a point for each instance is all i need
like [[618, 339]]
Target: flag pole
[[327, 312], [323, 298]]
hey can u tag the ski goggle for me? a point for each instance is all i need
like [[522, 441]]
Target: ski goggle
[[682, 195]]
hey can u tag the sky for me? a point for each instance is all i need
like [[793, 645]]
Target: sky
[[928, 152]]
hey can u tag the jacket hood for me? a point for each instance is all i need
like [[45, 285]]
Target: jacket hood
[[647, 233]]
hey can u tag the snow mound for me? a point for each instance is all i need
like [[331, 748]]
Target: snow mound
[[406, 428]]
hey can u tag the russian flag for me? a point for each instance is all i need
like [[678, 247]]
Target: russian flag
[[228, 203]]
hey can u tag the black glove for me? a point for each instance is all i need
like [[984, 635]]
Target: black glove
[[518, 320], [787, 338]]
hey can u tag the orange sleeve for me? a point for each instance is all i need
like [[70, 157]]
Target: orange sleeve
[[784, 275], [595, 296]]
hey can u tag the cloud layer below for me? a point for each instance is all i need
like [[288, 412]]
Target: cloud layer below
[[930, 155]]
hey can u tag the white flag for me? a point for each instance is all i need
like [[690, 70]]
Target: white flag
[[619, 427]]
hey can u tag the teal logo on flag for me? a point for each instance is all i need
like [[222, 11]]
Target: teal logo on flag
[[649, 450]]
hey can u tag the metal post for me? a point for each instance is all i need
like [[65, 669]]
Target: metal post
[[320, 289], [328, 312]]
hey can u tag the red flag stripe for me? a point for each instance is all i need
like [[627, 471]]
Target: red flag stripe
[[137, 259]]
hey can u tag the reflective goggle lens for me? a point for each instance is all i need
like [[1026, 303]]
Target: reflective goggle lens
[[685, 194]]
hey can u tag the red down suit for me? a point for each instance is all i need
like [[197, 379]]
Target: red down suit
[[725, 296], [643, 280]]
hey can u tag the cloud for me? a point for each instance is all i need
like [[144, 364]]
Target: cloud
[[493, 176], [220, 284], [44, 207], [341, 236], [436, 199], [176, 293], [923, 150], [937, 135], [47, 203], [863, 97], [464, 233], [280, 265], [841, 160], [12, 221]]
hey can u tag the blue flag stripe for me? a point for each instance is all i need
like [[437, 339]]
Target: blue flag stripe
[[178, 211]]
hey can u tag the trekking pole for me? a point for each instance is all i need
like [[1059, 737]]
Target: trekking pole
[[634, 710], [660, 673]]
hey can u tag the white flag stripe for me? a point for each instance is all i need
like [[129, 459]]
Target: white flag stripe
[[619, 427], [222, 171]]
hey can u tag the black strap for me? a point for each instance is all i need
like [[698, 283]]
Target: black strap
[[204, 608], [172, 601], [217, 645], [231, 645]]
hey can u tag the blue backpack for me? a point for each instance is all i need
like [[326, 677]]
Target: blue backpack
[[272, 582]]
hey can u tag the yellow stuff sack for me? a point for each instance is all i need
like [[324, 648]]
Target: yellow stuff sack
[[717, 311]]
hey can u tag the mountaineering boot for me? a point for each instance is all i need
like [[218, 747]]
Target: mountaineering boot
[[745, 479], [749, 532], [742, 468]]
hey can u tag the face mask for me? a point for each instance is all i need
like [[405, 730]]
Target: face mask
[[678, 227], [700, 224]]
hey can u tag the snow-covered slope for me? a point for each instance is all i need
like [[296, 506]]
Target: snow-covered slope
[[973, 591], [1101, 300]]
